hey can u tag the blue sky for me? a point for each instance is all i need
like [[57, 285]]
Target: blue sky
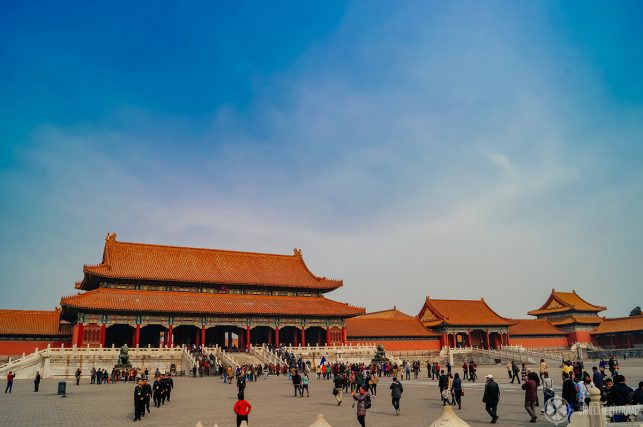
[[457, 150]]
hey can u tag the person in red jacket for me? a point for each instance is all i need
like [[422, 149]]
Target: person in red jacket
[[10, 377], [242, 408]]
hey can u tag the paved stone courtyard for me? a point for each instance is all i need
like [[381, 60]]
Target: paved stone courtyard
[[209, 400]]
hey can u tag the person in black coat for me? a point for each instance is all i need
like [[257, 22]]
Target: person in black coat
[[139, 400], [569, 392], [148, 394], [619, 394], [396, 394], [157, 390], [637, 396], [491, 398], [36, 381], [170, 387]]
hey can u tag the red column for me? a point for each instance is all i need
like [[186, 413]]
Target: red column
[[203, 335], [81, 332], [248, 337], [507, 339], [327, 336], [137, 335], [276, 336], [197, 336], [169, 336], [344, 335], [470, 342], [303, 336], [102, 334], [488, 341]]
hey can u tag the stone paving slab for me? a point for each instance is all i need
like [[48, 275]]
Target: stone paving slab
[[209, 400]]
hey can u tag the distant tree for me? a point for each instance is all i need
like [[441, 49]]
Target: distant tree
[[636, 311]]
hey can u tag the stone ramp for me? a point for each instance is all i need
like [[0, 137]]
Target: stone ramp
[[245, 359]]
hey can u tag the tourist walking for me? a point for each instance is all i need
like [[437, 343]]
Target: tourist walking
[[473, 367], [373, 384], [36, 381], [543, 368], [456, 390], [515, 370], [77, 375], [569, 392], [510, 369], [396, 394], [465, 371], [491, 397], [305, 380], [296, 382], [241, 383], [363, 403], [548, 390], [443, 385], [338, 387], [531, 395], [10, 377], [242, 409]]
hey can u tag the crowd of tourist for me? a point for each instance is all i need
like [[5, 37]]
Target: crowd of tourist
[[360, 380]]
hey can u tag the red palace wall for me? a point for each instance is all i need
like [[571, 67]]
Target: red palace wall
[[579, 336], [402, 345], [15, 348], [541, 342]]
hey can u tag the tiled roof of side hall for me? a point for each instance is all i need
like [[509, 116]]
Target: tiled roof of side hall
[[125, 300], [559, 302], [533, 327], [620, 324], [393, 313], [436, 312], [32, 322], [138, 261], [363, 326]]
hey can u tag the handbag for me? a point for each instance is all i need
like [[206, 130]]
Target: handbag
[[335, 392], [461, 392]]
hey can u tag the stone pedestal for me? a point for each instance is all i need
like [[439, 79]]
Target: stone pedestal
[[320, 421], [449, 419]]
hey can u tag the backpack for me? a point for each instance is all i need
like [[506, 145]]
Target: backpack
[[367, 401]]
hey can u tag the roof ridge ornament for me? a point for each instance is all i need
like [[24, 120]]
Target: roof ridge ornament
[[298, 252]]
